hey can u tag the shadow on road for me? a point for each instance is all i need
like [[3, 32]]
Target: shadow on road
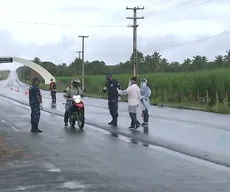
[[134, 133]]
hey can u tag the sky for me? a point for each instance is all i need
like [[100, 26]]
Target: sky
[[49, 29]]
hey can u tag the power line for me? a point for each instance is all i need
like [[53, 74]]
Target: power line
[[62, 24], [135, 25], [179, 44], [179, 7]]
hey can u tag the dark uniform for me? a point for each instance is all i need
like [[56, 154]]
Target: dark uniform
[[111, 87], [34, 100], [53, 91]]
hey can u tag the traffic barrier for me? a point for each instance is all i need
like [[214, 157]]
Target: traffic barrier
[[26, 92]]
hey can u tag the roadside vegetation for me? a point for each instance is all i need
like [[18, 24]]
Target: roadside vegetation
[[4, 74], [196, 82]]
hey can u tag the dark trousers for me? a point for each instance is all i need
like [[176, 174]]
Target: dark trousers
[[68, 108], [53, 96], [35, 116], [113, 109], [146, 115], [134, 120]]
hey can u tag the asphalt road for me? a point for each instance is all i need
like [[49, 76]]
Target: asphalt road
[[200, 134], [71, 160]]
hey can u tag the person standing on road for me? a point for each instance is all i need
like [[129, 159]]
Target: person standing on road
[[35, 101], [112, 86], [53, 91], [133, 92], [144, 100]]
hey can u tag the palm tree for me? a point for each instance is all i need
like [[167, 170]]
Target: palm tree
[[219, 60]]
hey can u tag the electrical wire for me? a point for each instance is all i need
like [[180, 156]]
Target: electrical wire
[[60, 24], [178, 7]]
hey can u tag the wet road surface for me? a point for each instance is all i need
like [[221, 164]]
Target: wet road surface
[[200, 134], [71, 160]]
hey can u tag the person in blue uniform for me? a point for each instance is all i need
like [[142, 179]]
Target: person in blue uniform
[[35, 101], [111, 87]]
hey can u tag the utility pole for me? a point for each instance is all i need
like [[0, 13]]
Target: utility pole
[[79, 52], [79, 57], [83, 63], [135, 25]]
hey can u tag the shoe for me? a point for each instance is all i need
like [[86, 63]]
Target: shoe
[[66, 125], [144, 124], [37, 129], [132, 127], [110, 123]]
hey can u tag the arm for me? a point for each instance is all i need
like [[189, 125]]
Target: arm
[[55, 87], [67, 92], [35, 93], [105, 88], [124, 92], [80, 92], [147, 93]]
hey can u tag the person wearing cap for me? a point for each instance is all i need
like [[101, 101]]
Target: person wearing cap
[[133, 92], [53, 90], [144, 100], [35, 101], [111, 87], [73, 89]]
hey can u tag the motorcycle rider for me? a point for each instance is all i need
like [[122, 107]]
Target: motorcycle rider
[[144, 100], [53, 91], [111, 87], [73, 89]]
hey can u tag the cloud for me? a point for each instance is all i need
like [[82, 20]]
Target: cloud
[[113, 49], [80, 9]]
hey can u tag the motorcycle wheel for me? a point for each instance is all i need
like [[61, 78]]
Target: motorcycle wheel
[[81, 124]]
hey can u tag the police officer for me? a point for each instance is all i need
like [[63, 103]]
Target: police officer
[[111, 87], [53, 91], [35, 101]]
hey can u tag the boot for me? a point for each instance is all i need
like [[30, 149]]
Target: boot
[[33, 128], [37, 129]]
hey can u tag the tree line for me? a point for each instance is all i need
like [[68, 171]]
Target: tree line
[[153, 63]]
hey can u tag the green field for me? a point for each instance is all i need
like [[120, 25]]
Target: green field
[[195, 89], [4, 75]]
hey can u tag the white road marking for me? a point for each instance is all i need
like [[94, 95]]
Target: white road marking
[[51, 167], [14, 128], [73, 185]]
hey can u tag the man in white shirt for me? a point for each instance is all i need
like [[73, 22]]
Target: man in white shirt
[[133, 92]]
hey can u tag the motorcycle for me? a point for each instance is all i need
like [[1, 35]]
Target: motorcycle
[[77, 112]]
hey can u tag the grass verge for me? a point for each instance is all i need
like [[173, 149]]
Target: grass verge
[[95, 85], [4, 75]]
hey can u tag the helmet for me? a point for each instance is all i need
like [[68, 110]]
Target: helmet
[[144, 80], [76, 81]]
